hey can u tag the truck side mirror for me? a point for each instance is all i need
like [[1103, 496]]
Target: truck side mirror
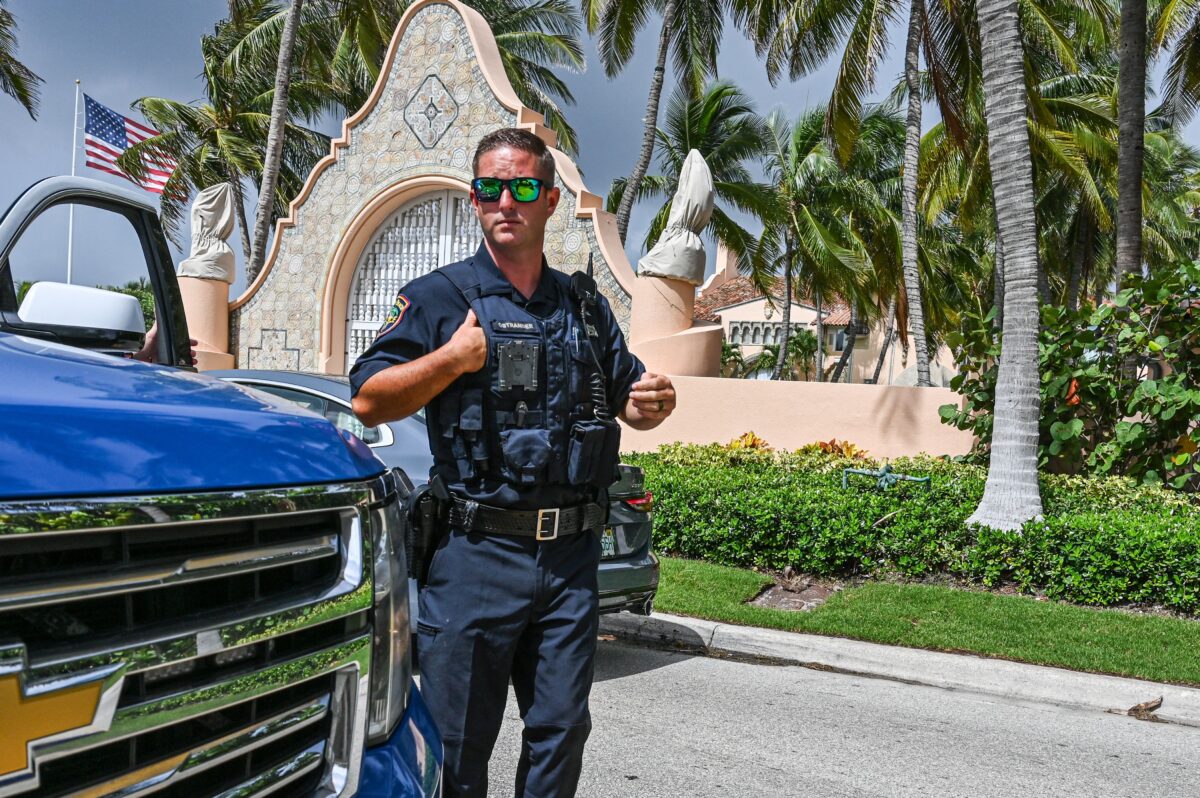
[[112, 319]]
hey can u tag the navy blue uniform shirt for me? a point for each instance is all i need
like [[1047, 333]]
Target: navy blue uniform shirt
[[427, 312]]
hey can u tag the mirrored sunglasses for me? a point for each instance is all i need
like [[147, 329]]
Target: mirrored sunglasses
[[522, 189]]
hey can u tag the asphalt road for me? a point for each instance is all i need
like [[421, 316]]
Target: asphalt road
[[670, 724]]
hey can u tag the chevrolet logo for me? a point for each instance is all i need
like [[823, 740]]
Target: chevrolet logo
[[49, 711]]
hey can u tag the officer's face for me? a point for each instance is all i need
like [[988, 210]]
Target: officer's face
[[509, 225]]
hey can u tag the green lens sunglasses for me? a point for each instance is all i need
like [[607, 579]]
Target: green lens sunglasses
[[523, 189]]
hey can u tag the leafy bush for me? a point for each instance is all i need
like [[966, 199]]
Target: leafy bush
[[1104, 541], [1120, 384]]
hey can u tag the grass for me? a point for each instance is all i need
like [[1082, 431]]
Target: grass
[[1018, 628]]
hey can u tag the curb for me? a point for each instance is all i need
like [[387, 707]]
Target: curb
[[1012, 681]]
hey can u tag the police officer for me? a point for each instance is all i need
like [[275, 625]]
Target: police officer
[[520, 369]]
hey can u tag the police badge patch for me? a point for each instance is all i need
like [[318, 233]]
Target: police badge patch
[[395, 314]]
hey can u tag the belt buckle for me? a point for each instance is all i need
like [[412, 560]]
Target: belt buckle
[[540, 533]]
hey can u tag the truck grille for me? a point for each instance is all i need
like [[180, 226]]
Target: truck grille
[[232, 632]]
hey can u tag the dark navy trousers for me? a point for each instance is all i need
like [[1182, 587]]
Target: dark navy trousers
[[496, 607]]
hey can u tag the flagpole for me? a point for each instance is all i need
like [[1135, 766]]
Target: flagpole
[[71, 212]]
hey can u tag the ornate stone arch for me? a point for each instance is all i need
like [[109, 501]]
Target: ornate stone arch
[[442, 86]]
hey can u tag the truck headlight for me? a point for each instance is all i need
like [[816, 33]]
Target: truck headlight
[[391, 660]]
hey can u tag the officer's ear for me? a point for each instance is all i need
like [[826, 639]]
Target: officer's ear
[[552, 199]]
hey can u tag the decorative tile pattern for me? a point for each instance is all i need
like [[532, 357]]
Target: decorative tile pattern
[[430, 112], [279, 327], [273, 352]]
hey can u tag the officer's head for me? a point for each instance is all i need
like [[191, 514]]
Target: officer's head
[[513, 192]]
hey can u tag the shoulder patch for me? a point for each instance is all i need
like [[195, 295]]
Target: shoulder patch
[[395, 314]]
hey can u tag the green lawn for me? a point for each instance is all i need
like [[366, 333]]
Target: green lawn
[[947, 619]]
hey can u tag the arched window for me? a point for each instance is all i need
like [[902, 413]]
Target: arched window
[[434, 229]]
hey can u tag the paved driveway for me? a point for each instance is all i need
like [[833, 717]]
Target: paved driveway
[[670, 724]]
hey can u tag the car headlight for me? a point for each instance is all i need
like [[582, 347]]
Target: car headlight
[[391, 659]]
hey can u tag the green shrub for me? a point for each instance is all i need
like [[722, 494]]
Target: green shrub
[[1104, 541]]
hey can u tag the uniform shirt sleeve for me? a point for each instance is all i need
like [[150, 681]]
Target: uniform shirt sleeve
[[621, 367], [422, 318]]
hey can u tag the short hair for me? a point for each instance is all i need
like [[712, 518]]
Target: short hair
[[517, 139]]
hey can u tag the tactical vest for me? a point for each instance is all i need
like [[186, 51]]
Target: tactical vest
[[529, 416]]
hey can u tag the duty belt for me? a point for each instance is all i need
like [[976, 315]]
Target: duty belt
[[545, 524]]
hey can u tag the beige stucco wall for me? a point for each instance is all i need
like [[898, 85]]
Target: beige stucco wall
[[756, 310], [887, 421]]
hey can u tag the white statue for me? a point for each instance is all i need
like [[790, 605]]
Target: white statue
[[679, 253], [212, 223]]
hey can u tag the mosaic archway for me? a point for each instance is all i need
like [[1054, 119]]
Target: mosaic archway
[[333, 268]]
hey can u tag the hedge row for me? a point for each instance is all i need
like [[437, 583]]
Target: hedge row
[[1103, 541]]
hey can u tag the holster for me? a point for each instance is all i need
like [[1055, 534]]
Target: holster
[[428, 517]]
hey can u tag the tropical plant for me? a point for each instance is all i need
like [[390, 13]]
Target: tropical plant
[[801, 348], [732, 361], [1011, 495], [1098, 417], [691, 32], [16, 80], [223, 138], [722, 126], [833, 222], [799, 37]]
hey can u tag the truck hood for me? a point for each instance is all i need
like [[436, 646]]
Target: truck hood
[[79, 423]]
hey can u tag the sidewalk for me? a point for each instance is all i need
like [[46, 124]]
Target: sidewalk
[[1012, 681]]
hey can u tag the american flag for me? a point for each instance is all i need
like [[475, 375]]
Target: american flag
[[107, 134]]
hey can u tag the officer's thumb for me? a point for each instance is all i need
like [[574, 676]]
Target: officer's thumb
[[470, 320]]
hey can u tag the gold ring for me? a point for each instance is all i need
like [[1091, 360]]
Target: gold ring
[[660, 405]]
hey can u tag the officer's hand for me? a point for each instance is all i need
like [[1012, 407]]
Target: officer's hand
[[469, 345], [653, 396]]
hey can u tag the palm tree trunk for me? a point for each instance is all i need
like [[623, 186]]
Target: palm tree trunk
[[1131, 127], [1082, 244], [851, 337], [912, 151], [820, 337], [239, 207], [887, 340], [998, 285], [787, 311], [634, 183], [1010, 495], [274, 151]]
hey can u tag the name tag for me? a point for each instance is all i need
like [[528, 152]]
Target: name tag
[[514, 326]]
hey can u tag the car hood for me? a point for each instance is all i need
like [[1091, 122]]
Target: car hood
[[79, 423]]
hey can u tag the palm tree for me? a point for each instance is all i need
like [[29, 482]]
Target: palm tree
[[691, 30], [535, 39], [223, 139], [1178, 23], [834, 220], [274, 146], [1011, 495], [1131, 112], [16, 80], [800, 350], [721, 124], [802, 36]]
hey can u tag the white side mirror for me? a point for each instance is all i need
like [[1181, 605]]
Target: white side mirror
[[80, 306]]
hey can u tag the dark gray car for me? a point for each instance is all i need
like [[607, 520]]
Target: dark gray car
[[628, 568]]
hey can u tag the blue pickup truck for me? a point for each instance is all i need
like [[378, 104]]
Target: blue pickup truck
[[202, 591]]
